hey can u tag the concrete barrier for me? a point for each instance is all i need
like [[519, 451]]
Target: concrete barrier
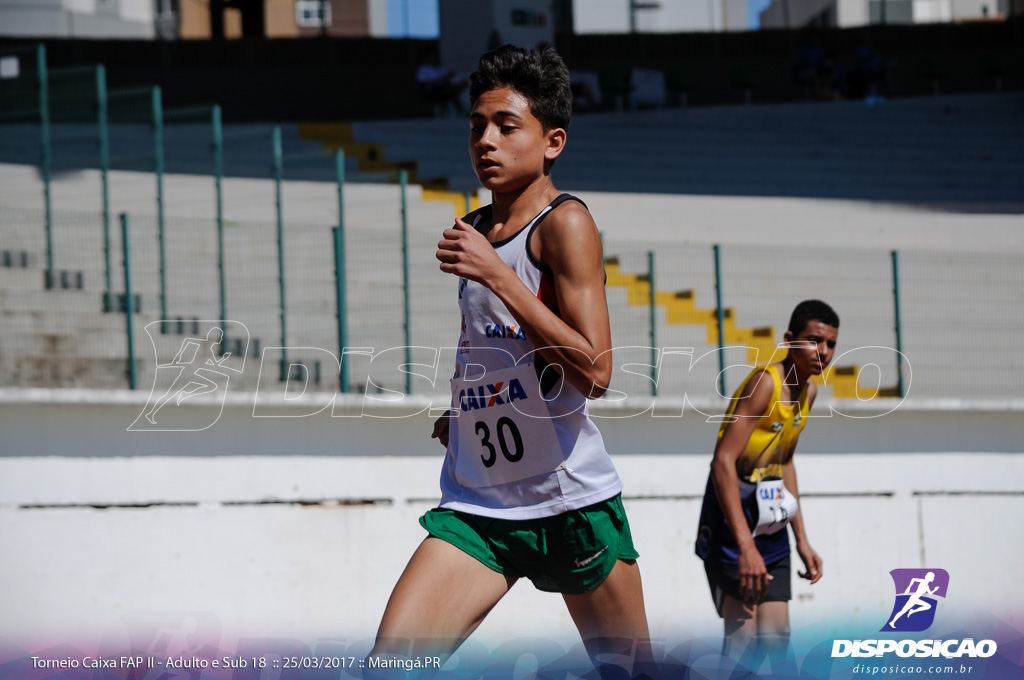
[[300, 526]]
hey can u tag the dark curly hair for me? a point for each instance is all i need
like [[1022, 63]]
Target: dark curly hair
[[539, 75], [812, 310]]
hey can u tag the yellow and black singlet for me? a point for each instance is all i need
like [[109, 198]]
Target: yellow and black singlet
[[771, 444], [764, 456]]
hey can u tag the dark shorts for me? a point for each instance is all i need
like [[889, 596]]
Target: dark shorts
[[570, 553], [726, 581]]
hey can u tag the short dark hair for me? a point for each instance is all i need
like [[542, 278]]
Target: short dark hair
[[539, 75], [812, 310]]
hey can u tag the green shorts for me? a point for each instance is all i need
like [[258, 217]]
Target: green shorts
[[569, 553]]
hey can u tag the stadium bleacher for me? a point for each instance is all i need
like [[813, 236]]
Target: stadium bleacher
[[958, 148], [951, 154]]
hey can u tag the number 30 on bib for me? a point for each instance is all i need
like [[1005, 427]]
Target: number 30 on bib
[[505, 429]]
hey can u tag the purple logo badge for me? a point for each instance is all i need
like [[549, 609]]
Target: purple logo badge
[[916, 590]]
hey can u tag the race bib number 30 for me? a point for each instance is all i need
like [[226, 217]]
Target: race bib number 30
[[505, 432]]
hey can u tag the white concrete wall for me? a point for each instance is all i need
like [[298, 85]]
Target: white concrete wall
[[221, 546], [852, 13], [855, 12], [78, 18], [612, 16], [600, 16], [95, 423], [299, 527], [974, 9], [926, 11], [377, 11]]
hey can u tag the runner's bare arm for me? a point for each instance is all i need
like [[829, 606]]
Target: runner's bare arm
[[568, 243], [811, 559], [755, 399], [441, 429]]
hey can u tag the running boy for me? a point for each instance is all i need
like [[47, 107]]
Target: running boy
[[752, 492], [528, 489]]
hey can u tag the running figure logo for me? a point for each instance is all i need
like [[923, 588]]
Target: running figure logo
[[200, 366], [916, 590]]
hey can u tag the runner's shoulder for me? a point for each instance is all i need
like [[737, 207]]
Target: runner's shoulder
[[567, 232]]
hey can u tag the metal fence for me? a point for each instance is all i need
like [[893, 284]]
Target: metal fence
[[960, 314], [343, 265]]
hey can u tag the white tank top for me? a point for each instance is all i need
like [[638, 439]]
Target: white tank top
[[515, 450]]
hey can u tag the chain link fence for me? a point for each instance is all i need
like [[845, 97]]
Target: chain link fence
[[954, 307], [291, 291]]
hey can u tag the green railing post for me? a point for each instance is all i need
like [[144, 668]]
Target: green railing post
[[339, 178], [46, 158], [278, 208], [129, 304], [158, 166], [720, 314], [103, 134], [403, 180], [467, 198], [339, 280], [899, 323], [218, 175], [339, 270], [652, 299]]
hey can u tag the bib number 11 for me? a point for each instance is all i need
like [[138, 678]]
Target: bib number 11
[[506, 429]]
